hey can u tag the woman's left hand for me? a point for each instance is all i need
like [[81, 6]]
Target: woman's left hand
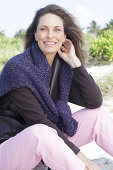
[[67, 53], [90, 165]]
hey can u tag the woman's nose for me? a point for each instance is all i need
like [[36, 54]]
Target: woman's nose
[[50, 34]]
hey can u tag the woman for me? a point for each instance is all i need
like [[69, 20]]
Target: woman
[[37, 85]]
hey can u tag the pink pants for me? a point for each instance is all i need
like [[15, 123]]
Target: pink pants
[[25, 150]]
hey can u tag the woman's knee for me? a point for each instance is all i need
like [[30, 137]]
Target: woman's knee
[[97, 113], [94, 114], [89, 115], [40, 130]]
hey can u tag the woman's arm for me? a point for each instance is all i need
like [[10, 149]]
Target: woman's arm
[[84, 91], [31, 111]]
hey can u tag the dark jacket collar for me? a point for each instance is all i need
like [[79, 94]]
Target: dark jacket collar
[[54, 78]]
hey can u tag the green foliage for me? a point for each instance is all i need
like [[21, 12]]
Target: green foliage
[[20, 34], [101, 49], [109, 25], [93, 28], [9, 47], [88, 39], [2, 32]]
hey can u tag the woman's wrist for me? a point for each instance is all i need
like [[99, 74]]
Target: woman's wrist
[[82, 157], [75, 62], [89, 164]]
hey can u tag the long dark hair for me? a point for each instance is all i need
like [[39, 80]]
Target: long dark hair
[[71, 29]]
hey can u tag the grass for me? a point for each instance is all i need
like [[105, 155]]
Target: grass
[[9, 47], [106, 84]]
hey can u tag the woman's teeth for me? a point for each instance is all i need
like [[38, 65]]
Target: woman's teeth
[[50, 43]]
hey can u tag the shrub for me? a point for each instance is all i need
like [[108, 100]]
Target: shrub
[[101, 49], [9, 47], [88, 39]]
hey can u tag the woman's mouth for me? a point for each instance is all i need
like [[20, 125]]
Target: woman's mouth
[[50, 43]]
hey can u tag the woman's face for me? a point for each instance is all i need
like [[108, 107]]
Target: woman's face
[[50, 34]]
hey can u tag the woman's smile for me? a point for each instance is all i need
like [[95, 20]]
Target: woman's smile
[[50, 43]]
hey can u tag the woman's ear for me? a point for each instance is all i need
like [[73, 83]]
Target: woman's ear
[[64, 38], [35, 36]]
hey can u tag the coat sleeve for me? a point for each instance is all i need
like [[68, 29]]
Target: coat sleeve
[[31, 111], [84, 91]]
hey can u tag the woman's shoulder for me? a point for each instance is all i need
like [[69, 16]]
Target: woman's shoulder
[[14, 63], [16, 59]]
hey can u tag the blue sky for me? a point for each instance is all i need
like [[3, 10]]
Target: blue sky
[[18, 14]]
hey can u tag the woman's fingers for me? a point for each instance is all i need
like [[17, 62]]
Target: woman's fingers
[[67, 46], [66, 43], [86, 168], [93, 166], [63, 49], [90, 165], [69, 42]]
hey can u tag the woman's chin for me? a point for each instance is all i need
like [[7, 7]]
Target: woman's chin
[[50, 53]]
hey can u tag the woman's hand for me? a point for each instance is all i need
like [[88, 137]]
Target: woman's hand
[[90, 165], [67, 53]]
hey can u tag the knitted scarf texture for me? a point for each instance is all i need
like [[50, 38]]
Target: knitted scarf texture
[[31, 69]]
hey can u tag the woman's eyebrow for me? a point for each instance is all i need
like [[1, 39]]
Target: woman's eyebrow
[[47, 26], [43, 26], [58, 27]]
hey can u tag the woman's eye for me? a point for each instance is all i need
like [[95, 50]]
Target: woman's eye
[[43, 29], [58, 30]]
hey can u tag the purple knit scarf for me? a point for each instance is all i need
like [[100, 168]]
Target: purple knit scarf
[[31, 69]]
